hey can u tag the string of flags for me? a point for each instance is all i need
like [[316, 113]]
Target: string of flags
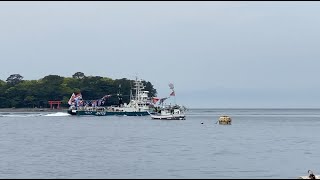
[[172, 88], [161, 100], [76, 100]]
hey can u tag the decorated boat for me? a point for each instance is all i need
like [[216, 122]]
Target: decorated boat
[[168, 112], [139, 104]]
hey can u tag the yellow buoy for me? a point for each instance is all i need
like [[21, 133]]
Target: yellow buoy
[[225, 120]]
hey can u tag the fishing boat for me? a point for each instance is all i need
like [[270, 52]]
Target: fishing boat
[[175, 112], [168, 112], [139, 104]]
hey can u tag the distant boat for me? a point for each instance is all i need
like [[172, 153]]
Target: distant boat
[[168, 112], [139, 105], [175, 112]]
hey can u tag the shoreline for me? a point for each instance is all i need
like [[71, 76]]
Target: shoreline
[[32, 110]]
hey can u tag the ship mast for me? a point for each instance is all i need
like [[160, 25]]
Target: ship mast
[[138, 87]]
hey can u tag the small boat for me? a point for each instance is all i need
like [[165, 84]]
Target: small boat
[[168, 112], [175, 112]]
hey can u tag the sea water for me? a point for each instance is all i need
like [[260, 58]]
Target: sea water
[[260, 143]]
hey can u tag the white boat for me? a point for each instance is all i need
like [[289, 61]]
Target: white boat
[[175, 112], [168, 112], [140, 102]]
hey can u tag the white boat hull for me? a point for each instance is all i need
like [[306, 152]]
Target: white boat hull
[[169, 117]]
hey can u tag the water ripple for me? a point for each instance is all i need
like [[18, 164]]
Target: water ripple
[[259, 144]]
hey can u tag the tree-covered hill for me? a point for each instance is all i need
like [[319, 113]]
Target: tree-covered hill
[[19, 93]]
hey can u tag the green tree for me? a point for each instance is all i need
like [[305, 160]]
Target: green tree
[[149, 87], [2, 83], [14, 79], [78, 75], [53, 79], [51, 86], [30, 93], [30, 101]]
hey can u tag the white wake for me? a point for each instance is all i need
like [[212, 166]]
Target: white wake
[[58, 114]]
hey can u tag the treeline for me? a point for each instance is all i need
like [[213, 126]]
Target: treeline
[[19, 93]]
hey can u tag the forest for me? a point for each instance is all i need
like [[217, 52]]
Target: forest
[[18, 93]]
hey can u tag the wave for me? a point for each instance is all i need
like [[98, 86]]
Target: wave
[[20, 115], [58, 114], [32, 114]]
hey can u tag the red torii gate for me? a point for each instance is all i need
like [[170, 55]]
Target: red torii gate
[[55, 103]]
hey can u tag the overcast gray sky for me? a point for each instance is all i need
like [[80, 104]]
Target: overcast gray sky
[[217, 54]]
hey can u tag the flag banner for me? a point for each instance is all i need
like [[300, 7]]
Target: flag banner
[[106, 96], [171, 86], [79, 95], [173, 93], [155, 100], [162, 99], [71, 98]]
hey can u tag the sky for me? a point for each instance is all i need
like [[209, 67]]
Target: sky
[[217, 54]]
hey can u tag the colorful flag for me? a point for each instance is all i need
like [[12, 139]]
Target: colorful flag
[[171, 86], [71, 98], [155, 100], [93, 103], [106, 96], [162, 99], [79, 96], [173, 93]]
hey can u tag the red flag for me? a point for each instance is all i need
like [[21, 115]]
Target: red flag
[[173, 93], [155, 100]]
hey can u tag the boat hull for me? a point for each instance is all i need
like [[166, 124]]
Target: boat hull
[[168, 117], [72, 112], [108, 113]]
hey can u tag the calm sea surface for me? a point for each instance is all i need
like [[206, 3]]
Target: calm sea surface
[[260, 143]]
